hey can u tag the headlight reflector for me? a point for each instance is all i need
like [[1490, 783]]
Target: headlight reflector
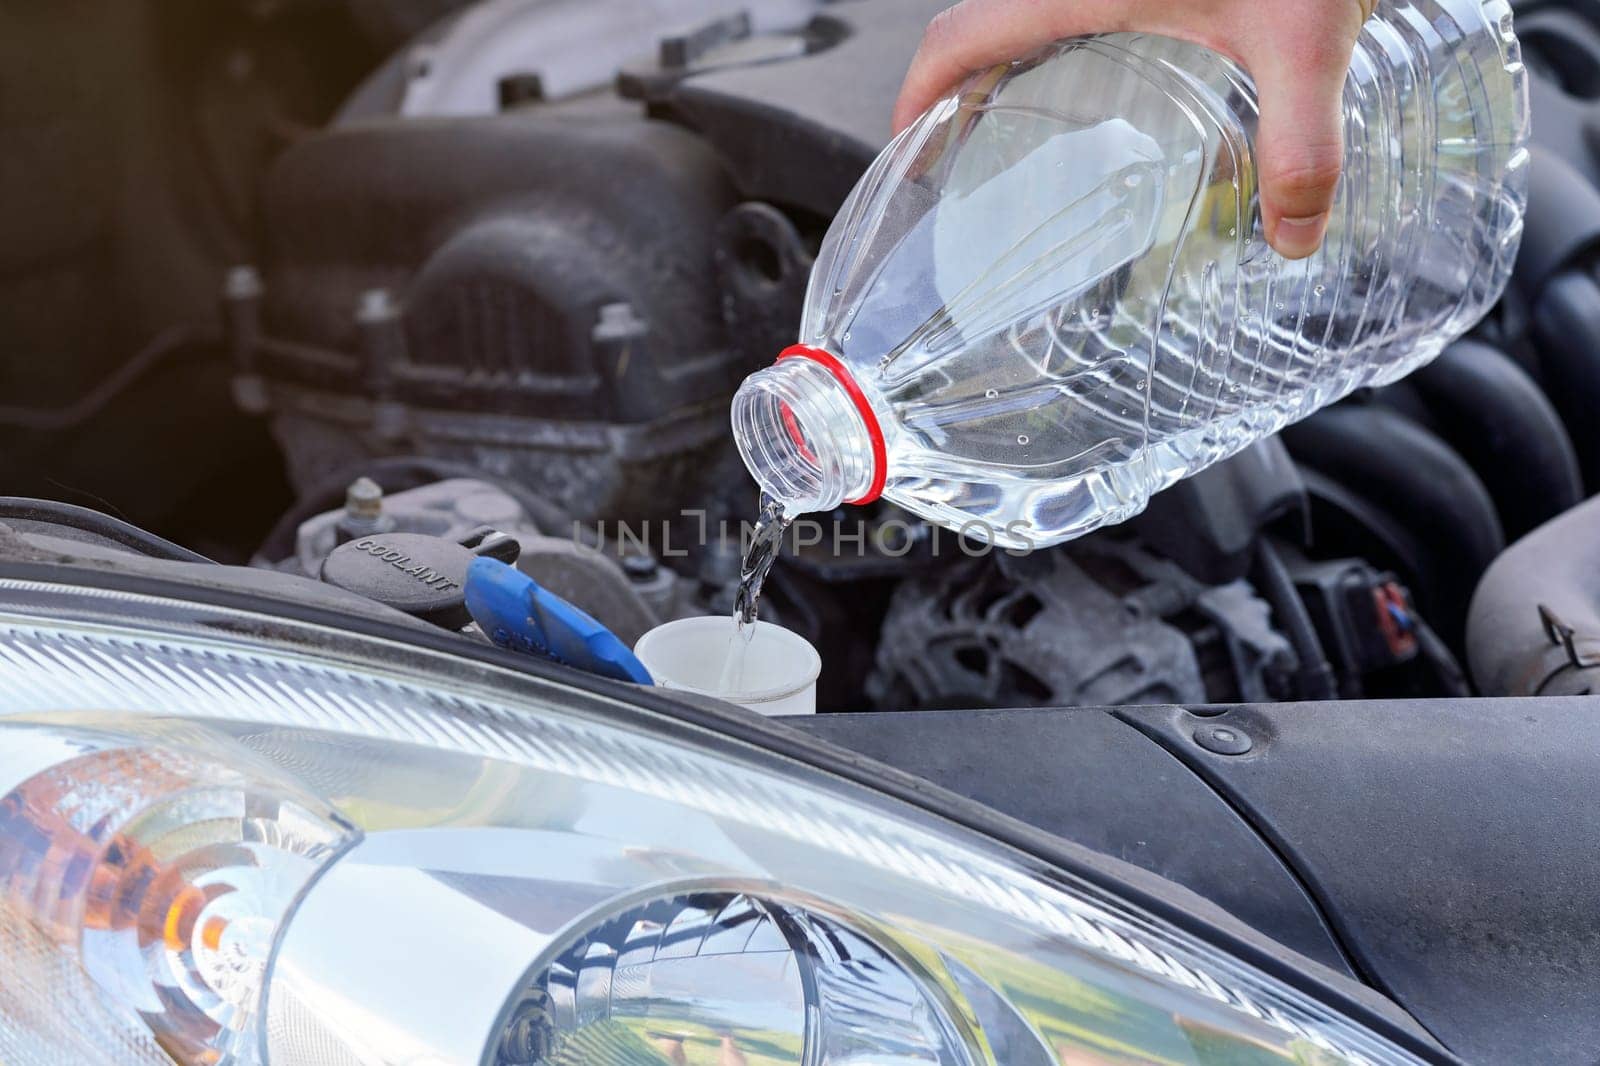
[[245, 841], [163, 861]]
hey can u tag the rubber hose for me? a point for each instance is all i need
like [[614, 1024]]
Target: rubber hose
[[1436, 654], [100, 526], [1566, 324], [1562, 224], [166, 345], [1534, 627], [1414, 476], [1314, 679], [1489, 409]]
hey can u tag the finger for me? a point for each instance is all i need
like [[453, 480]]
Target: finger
[[1300, 142], [975, 34]]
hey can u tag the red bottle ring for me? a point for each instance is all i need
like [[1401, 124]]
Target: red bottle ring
[[880, 452]]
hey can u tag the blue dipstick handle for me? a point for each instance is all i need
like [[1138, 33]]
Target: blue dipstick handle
[[518, 613]]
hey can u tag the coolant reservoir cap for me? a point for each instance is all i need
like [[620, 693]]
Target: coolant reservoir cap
[[412, 572]]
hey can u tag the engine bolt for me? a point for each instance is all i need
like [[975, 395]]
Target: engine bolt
[[639, 567], [363, 499], [1222, 740], [363, 512]]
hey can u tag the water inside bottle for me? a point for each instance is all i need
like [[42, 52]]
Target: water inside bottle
[[772, 521], [1055, 295]]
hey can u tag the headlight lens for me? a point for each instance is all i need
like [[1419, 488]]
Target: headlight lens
[[295, 847]]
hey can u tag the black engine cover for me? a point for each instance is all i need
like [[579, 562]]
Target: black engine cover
[[546, 309]]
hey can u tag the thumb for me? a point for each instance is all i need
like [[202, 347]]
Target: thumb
[[1300, 141]]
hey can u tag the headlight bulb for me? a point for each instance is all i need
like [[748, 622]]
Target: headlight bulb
[[678, 979], [166, 871], [718, 979]]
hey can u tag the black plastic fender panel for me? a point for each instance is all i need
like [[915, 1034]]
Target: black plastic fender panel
[[1449, 845], [1087, 777]]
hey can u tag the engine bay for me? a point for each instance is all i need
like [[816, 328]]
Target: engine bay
[[429, 268]]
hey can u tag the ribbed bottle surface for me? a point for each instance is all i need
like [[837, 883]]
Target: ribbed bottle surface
[[1055, 291]]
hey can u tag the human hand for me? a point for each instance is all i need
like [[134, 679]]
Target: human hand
[[1298, 53]]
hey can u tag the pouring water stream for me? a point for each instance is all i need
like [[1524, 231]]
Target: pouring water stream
[[771, 523]]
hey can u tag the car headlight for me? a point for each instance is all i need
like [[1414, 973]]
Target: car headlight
[[232, 839]]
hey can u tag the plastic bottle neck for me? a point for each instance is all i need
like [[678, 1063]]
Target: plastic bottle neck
[[808, 434]]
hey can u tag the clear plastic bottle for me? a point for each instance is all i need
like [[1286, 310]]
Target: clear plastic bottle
[[1051, 297]]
